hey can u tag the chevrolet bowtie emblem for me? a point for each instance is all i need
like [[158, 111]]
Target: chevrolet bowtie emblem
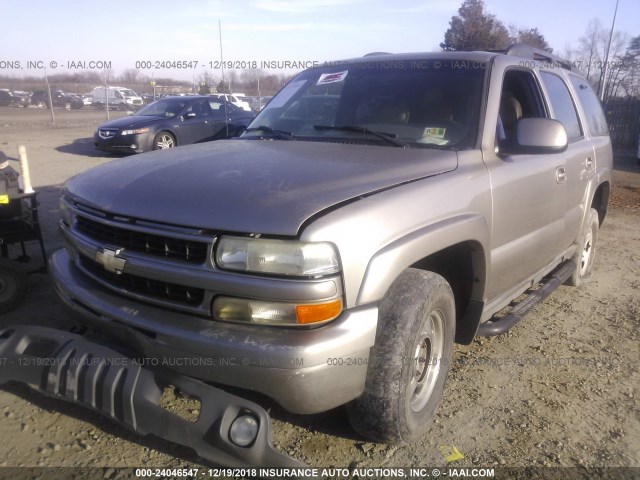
[[110, 261]]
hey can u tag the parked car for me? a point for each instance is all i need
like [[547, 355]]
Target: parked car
[[330, 260], [234, 99], [171, 122], [257, 103], [11, 99], [40, 99], [148, 98]]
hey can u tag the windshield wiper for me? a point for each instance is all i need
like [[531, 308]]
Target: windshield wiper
[[387, 137], [275, 132]]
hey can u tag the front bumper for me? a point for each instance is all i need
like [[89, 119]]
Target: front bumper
[[70, 367], [306, 371], [124, 144]]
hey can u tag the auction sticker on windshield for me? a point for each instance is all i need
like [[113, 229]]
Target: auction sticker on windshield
[[332, 77]]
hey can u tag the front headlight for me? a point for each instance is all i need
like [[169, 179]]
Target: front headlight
[[135, 131], [277, 257], [65, 214], [241, 310]]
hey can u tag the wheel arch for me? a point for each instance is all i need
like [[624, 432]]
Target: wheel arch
[[600, 200], [456, 249]]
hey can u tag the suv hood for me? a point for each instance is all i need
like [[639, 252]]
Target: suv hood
[[250, 186]]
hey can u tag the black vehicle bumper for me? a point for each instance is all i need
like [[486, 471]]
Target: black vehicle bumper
[[70, 367], [124, 144]]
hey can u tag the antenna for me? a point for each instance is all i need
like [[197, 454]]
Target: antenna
[[603, 84]]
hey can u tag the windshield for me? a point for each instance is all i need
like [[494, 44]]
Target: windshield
[[128, 93], [425, 103], [162, 108]]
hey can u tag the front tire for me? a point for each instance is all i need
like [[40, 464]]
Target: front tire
[[409, 363], [586, 251], [164, 140], [13, 285]]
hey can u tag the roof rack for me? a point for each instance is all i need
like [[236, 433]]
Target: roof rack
[[375, 54], [527, 51]]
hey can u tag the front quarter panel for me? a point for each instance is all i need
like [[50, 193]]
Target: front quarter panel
[[381, 235]]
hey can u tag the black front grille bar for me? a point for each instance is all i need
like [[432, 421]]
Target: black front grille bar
[[153, 244], [144, 286]]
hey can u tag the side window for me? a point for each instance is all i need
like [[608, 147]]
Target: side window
[[563, 108], [591, 105], [217, 108], [200, 108], [520, 98]]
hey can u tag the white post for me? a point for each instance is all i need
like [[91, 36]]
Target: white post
[[24, 169]]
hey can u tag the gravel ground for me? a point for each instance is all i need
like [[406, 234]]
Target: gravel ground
[[560, 389]]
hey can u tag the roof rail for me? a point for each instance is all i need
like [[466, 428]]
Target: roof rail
[[373, 54], [527, 51]]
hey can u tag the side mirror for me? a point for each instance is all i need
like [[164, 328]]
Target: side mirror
[[537, 136]]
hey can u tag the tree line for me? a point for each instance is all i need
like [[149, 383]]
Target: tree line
[[473, 28]]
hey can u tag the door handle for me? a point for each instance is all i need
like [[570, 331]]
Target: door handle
[[589, 163], [561, 175]]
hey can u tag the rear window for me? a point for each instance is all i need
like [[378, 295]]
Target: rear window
[[563, 108], [593, 109]]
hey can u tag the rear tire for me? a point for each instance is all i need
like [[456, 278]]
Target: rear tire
[[13, 285], [586, 251], [409, 363]]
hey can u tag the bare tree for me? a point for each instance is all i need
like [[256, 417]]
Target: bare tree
[[623, 75], [130, 76], [592, 46]]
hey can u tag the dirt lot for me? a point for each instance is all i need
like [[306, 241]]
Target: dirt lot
[[560, 389]]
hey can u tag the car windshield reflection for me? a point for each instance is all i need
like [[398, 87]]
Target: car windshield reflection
[[161, 108], [418, 105]]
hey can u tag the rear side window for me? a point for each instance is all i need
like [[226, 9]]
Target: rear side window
[[591, 105], [563, 108]]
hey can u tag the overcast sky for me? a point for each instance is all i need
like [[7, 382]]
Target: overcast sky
[[55, 33]]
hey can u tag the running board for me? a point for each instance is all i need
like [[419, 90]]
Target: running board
[[548, 284]]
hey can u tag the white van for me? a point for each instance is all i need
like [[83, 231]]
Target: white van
[[119, 97]]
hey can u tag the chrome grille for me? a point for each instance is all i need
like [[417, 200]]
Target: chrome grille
[[107, 133], [152, 244], [145, 286]]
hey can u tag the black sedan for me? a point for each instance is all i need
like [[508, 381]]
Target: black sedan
[[40, 99], [171, 122], [11, 99]]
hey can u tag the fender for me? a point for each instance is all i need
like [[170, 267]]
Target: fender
[[385, 266]]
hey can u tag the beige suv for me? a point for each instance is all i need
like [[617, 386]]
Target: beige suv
[[376, 211]]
